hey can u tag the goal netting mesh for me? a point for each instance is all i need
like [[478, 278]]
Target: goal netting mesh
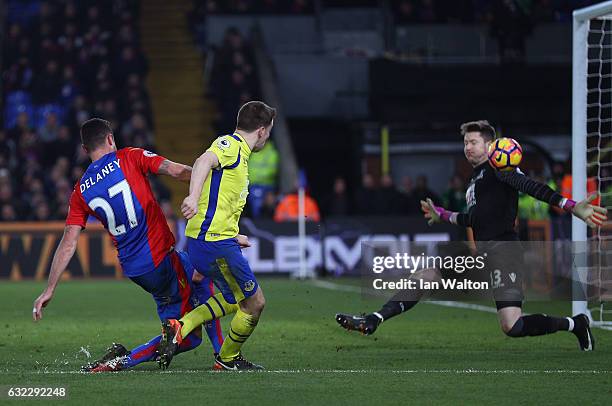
[[599, 161]]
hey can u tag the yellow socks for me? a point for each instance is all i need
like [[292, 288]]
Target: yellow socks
[[214, 308], [241, 327]]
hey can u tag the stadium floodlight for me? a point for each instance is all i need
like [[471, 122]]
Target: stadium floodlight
[[592, 149]]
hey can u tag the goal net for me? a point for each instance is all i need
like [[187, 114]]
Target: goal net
[[592, 156]]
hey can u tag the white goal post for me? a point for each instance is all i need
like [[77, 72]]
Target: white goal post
[[591, 132]]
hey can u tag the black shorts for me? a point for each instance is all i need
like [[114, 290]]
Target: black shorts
[[505, 264]]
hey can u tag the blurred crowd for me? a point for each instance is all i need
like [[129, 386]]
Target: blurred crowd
[[372, 198], [510, 22], [383, 198], [205, 7], [405, 11], [64, 62], [196, 18], [233, 79], [485, 11]]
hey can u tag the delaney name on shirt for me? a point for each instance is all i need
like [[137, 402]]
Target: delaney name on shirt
[[89, 182]]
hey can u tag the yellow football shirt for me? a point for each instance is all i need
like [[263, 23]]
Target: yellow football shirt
[[224, 192]]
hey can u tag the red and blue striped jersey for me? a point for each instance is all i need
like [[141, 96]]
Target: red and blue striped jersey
[[115, 190]]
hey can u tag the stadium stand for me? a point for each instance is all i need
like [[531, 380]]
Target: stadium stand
[[64, 62]]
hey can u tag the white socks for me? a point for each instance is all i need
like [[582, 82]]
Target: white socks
[[571, 324]]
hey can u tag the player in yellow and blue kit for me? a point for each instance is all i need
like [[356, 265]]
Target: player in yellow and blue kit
[[217, 194]]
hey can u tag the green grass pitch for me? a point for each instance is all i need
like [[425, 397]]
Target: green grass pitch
[[431, 355]]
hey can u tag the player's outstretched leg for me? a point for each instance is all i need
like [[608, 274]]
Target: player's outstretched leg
[[111, 361], [515, 325], [367, 324], [401, 302], [142, 353], [118, 358]]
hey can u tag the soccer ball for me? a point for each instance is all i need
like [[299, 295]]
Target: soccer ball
[[505, 154]]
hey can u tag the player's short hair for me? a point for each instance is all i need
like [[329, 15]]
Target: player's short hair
[[486, 130], [94, 132], [254, 115]]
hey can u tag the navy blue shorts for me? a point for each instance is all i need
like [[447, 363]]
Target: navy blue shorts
[[170, 285], [223, 262]]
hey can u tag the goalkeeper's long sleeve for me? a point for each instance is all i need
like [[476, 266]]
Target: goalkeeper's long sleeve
[[463, 219], [492, 201], [533, 188]]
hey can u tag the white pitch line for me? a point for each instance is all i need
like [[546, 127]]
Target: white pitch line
[[339, 372], [445, 303], [335, 286]]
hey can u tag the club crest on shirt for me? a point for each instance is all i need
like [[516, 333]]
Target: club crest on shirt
[[249, 285]]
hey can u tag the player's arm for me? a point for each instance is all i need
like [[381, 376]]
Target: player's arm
[[437, 214], [593, 215], [523, 183], [201, 168], [177, 171], [150, 162], [62, 257]]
